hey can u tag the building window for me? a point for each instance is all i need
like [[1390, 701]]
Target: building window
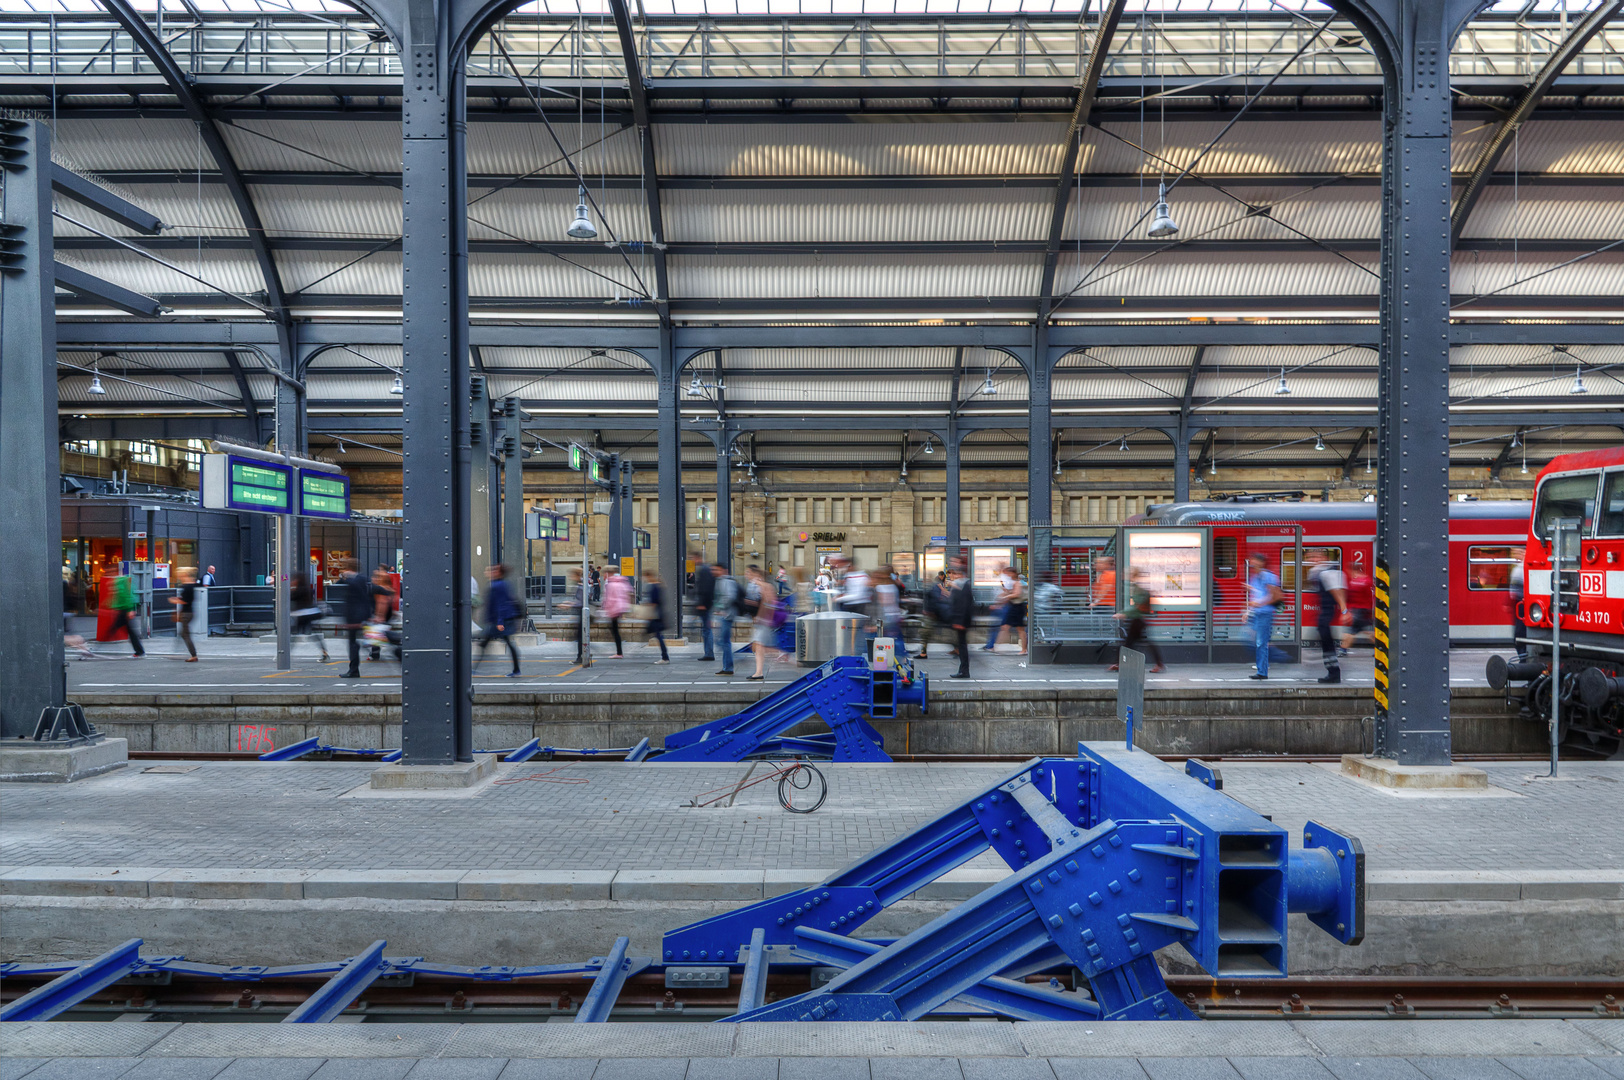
[[81, 446], [782, 511], [800, 555], [1020, 511], [652, 511], [783, 552], [837, 511], [857, 507], [820, 511], [967, 511], [875, 514], [1095, 508], [1003, 510], [800, 511], [144, 453]]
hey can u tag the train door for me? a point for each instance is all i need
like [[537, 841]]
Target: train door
[[1281, 549]]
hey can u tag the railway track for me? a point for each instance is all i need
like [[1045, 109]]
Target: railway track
[[177, 997]]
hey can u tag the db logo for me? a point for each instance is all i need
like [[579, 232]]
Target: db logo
[[1591, 583]]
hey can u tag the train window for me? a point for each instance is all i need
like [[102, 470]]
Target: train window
[[1566, 497], [1488, 568], [1225, 556], [1311, 556], [1612, 505]]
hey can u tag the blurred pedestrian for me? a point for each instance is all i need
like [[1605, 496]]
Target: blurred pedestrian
[[124, 604], [704, 607], [575, 599], [501, 616], [1135, 617], [762, 602], [617, 600], [306, 612], [360, 607], [1263, 596], [654, 597], [184, 600], [961, 608], [726, 607], [888, 603], [1331, 592]]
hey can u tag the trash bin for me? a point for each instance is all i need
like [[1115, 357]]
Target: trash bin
[[824, 635]]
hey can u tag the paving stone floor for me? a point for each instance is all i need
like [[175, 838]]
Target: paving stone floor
[[292, 815], [236, 665], [896, 1068]]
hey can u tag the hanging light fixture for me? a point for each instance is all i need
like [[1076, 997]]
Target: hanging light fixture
[[905, 470], [341, 448], [930, 447], [1282, 388], [1516, 439], [1057, 466], [1212, 467], [1319, 443], [987, 387], [1578, 381], [397, 387], [695, 387], [1124, 445], [582, 228], [95, 384], [1162, 224]]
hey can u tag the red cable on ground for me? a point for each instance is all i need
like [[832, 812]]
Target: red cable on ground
[[545, 778]]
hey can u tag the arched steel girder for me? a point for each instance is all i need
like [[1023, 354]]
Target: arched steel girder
[[147, 40], [645, 136], [1087, 88], [1493, 150]]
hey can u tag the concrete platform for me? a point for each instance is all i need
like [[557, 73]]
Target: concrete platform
[[1231, 1050], [251, 863], [240, 704]]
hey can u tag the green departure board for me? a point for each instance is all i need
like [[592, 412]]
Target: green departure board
[[257, 486], [325, 495]]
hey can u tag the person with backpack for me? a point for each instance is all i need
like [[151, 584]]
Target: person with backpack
[[124, 604], [501, 616], [617, 600], [726, 602], [1331, 590]]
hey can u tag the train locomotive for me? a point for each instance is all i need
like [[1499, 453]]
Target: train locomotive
[[1589, 685]]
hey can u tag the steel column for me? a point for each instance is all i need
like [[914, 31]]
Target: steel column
[[436, 677], [673, 531], [1039, 434], [482, 542], [31, 675], [1181, 460], [952, 536], [1412, 494], [511, 550], [724, 499]]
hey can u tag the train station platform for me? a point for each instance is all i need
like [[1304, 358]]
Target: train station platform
[[235, 701], [236, 863], [1580, 1049]]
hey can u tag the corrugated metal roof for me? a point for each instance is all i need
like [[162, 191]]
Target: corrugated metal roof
[[1479, 272], [1304, 384], [766, 360], [1330, 213], [1103, 385], [138, 143], [898, 276], [1180, 273], [1102, 359], [231, 270], [1567, 146], [1578, 212], [370, 214], [872, 149], [182, 394], [185, 210], [510, 149], [1276, 146], [337, 273], [545, 213], [742, 389], [542, 360], [545, 276], [370, 146], [1507, 355], [738, 215], [569, 387], [1289, 356], [345, 357], [369, 387]]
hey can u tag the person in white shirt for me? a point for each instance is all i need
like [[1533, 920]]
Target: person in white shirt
[[1331, 588]]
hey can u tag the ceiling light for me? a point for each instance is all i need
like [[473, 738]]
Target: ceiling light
[[95, 384], [905, 470], [695, 387], [930, 448], [1124, 445], [1516, 439], [1162, 224], [1319, 443], [1282, 388], [1212, 467], [1057, 466], [341, 448], [582, 228], [1578, 382], [987, 387], [397, 387]]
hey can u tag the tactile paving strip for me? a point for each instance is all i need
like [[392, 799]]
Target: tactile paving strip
[[925, 1039], [624, 1040], [1610, 1032], [71, 1038], [305, 1040], [1151, 1038]]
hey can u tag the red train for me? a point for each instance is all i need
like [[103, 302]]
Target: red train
[[1588, 488], [1485, 547]]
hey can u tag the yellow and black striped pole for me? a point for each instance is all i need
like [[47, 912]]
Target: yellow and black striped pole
[[1381, 632]]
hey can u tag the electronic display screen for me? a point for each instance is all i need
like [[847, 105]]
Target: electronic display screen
[[325, 495], [259, 485]]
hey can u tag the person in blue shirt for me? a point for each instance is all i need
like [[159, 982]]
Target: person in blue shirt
[[501, 615], [1263, 596]]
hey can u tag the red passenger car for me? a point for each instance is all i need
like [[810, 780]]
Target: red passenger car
[[1485, 547]]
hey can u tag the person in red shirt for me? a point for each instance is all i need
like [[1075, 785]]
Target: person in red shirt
[[1361, 605]]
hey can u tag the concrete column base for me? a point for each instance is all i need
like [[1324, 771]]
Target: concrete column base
[[459, 774], [1385, 772], [26, 761]]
